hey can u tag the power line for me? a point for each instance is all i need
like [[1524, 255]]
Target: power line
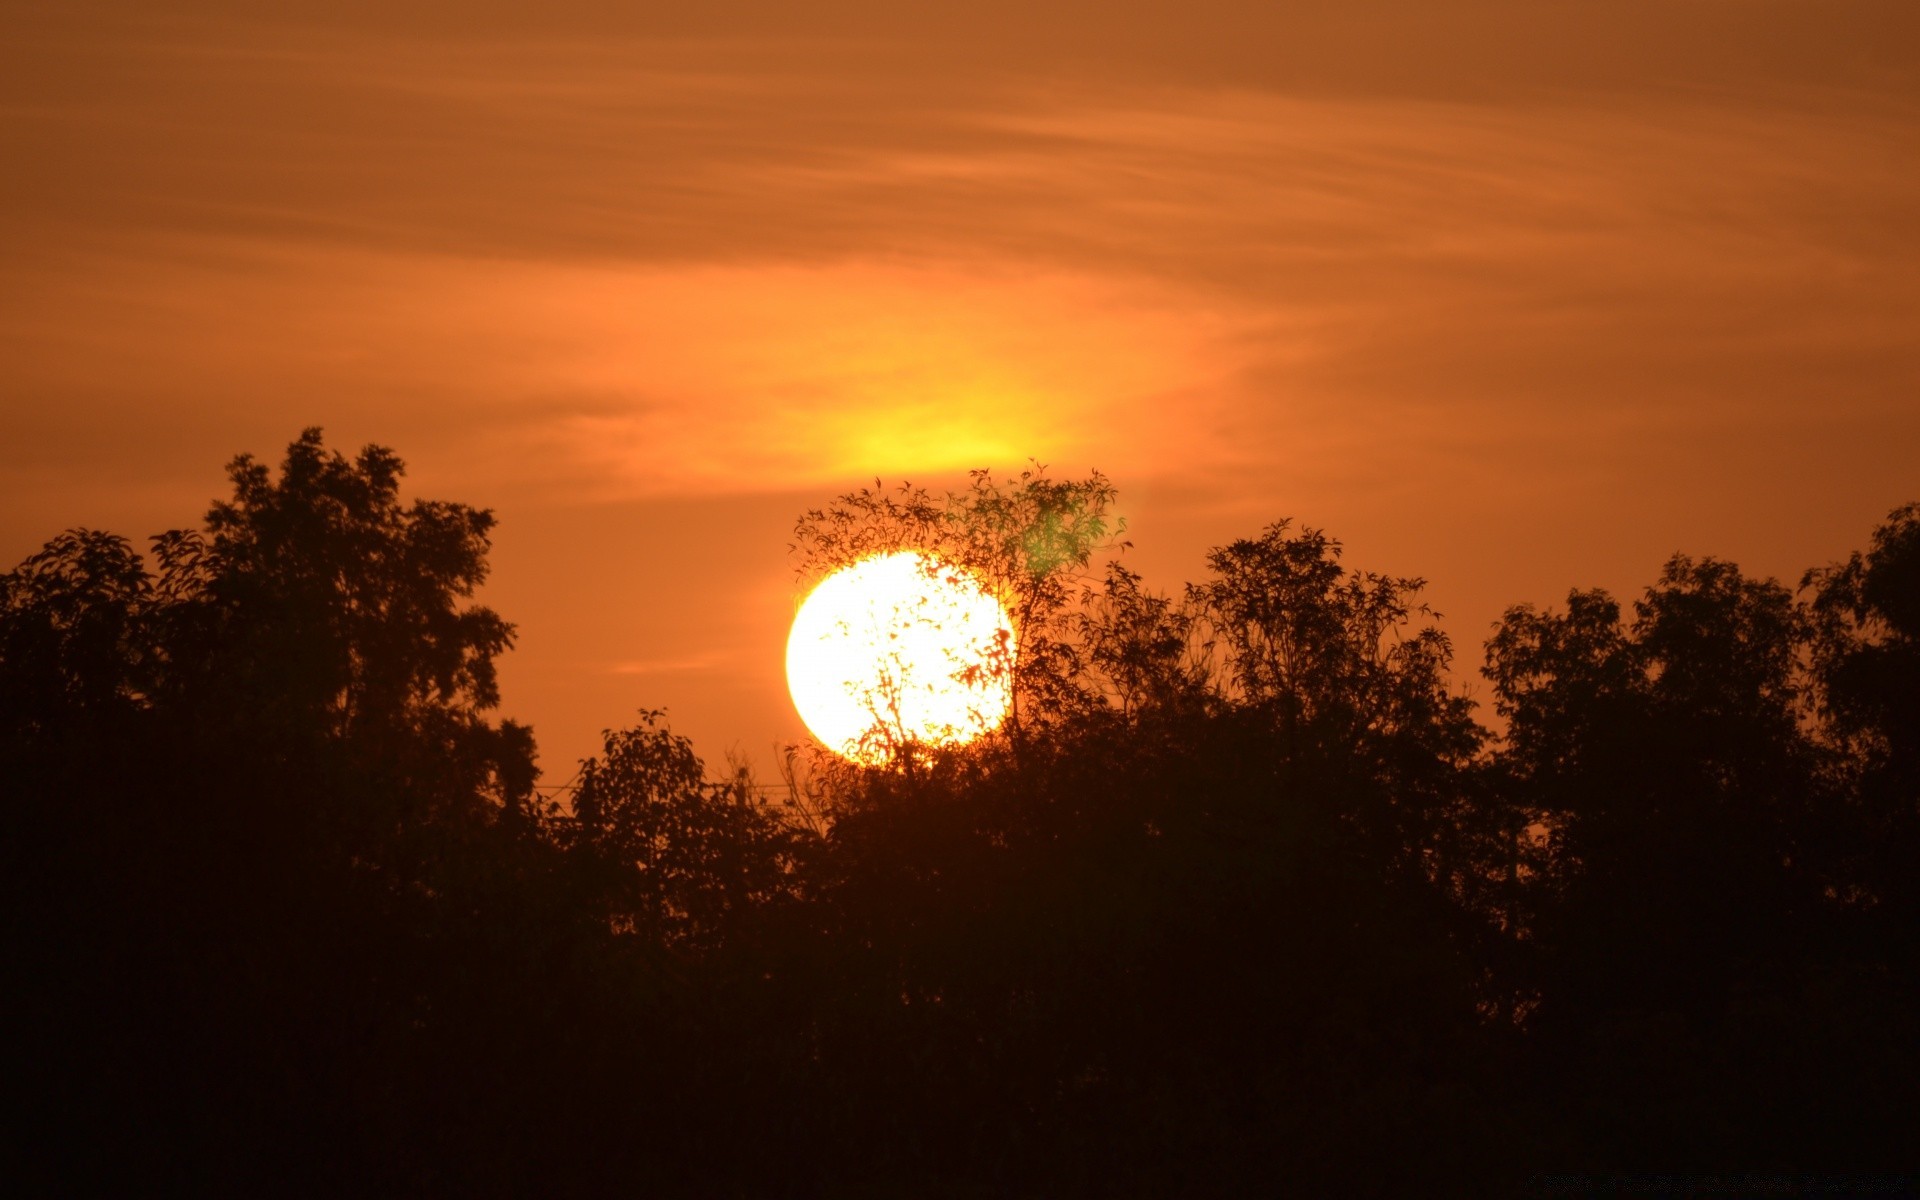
[[571, 785]]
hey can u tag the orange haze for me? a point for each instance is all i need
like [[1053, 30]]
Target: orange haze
[[1515, 295]]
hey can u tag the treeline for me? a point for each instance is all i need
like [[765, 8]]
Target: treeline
[[1244, 898]]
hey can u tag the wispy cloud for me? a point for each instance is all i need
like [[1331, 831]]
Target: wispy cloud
[[641, 267], [712, 660], [1470, 276]]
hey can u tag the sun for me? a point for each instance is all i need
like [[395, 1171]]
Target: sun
[[898, 648]]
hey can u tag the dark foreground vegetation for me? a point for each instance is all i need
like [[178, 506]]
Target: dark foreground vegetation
[[1243, 901]]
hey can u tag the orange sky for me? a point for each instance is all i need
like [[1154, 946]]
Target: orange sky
[[1517, 296]]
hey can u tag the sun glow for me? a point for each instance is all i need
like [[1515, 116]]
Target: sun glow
[[899, 648]]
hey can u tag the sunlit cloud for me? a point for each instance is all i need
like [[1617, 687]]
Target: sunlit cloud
[[1451, 283], [786, 376], [635, 267], [712, 660]]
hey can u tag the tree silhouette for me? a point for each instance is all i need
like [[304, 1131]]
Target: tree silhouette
[[1326, 658], [1866, 683], [74, 645], [271, 752], [685, 860], [1684, 933], [1029, 541], [1145, 650], [1243, 898]]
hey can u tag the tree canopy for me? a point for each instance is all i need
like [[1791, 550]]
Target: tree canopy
[[1244, 897]]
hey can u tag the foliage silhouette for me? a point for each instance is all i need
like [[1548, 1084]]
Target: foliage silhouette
[[1028, 541], [679, 859], [1244, 899]]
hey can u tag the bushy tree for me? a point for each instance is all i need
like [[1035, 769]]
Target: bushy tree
[[259, 786], [317, 600], [1145, 653], [1866, 672], [1678, 908], [1029, 541], [1357, 698], [1242, 894], [685, 860], [1671, 739], [75, 641]]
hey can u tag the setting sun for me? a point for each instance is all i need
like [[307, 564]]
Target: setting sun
[[899, 648], [1351, 572]]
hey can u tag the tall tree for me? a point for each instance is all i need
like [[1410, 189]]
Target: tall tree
[[683, 860], [262, 814], [1028, 540], [1357, 697], [1866, 668], [1674, 913]]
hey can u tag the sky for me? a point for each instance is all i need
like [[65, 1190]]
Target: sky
[[1514, 295]]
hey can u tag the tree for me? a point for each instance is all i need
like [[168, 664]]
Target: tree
[[1144, 649], [1245, 894], [318, 610], [74, 636], [1866, 675], [1668, 744], [1029, 541], [1358, 700], [260, 815], [684, 860], [1676, 918]]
